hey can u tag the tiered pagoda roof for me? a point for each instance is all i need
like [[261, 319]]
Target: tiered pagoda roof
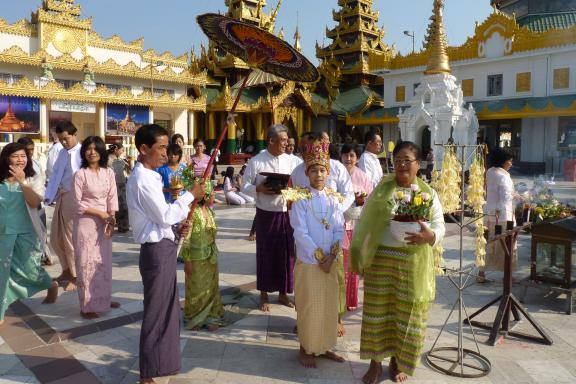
[[344, 63]]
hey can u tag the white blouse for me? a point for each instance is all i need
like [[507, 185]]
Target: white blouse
[[310, 233], [499, 195]]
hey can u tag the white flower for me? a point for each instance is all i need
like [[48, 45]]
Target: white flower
[[414, 187], [407, 198], [425, 196]]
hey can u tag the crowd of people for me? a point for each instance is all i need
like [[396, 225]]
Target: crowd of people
[[320, 224]]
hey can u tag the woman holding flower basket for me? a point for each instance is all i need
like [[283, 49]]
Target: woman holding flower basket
[[398, 266]]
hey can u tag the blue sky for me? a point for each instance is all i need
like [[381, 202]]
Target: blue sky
[[170, 25]]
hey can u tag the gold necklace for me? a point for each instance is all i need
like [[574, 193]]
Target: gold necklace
[[322, 220]]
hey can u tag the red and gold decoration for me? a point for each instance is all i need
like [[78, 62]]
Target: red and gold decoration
[[317, 153]]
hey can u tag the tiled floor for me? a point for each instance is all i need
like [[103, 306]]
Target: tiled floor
[[53, 344]]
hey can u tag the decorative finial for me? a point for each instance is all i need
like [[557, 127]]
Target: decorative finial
[[274, 14], [297, 43], [436, 43]]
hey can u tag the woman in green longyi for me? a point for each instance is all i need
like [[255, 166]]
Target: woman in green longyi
[[399, 281], [21, 192], [203, 304]]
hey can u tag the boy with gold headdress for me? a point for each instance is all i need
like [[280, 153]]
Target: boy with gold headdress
[[318, 224]]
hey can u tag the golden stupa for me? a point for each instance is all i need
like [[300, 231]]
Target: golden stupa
[[436, 42], [10, 123], [127, 125]]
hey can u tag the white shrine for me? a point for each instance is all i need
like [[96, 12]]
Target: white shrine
[[438, 103]]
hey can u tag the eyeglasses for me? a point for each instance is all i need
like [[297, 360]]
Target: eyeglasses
[[291, 145], [402, 162]]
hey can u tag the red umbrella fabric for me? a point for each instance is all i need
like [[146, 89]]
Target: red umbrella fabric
[[258, 48]]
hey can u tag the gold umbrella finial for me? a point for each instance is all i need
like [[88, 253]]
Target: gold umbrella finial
[[436, 42]]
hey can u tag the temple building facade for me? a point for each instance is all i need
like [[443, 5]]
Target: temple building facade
[[520, 81], [54, 67]]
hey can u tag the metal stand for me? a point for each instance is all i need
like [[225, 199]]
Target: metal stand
[[459, 361], [509, 304]]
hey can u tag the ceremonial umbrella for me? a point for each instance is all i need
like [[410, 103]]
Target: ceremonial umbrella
[[260, 50], [265, 79]]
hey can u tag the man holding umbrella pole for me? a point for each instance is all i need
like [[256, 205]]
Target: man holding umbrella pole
[[152, 219]]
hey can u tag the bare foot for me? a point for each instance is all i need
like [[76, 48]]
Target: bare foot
[[1, 321], [341, 330], [64, 276], [395, 374], [285, 300], [89, 315], [252, 237], [51, 294], [308, 361], [147, 381], [71, 286], [114, 304], [373, 374], [212, 327], [332, 356], [264, 303]]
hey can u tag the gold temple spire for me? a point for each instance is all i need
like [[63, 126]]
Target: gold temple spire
[[274, 14], [436, 42], [297, 43]]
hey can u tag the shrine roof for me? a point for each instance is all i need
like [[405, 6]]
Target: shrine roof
[[544, 22]]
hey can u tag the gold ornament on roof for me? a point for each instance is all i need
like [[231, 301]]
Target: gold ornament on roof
[[436, 42]]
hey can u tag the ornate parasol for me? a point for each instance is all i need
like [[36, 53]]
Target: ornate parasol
[[260, 78], [260, 50]]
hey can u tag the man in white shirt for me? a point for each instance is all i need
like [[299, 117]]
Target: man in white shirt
[[152, 219], [369, 161], [52, 154], [60, 189], [338, 179], [274, 236]]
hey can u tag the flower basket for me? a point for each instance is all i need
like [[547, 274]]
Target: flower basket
[[398, 229], [353, 213]]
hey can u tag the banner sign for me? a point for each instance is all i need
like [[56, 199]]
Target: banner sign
[[124, 120], [72, 106], [19, 114]]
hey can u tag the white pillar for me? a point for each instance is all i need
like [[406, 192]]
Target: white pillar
[[191, 126], [151, 116], [44, 125], [101, 120]]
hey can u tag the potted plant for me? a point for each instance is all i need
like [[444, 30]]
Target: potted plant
[[409, 208]]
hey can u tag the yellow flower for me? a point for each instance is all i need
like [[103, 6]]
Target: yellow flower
[[418, 200], [400, 195]]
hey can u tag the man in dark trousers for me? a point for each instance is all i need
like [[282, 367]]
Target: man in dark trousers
[[152, 219]]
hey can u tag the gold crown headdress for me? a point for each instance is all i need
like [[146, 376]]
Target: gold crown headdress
[[317, 153]]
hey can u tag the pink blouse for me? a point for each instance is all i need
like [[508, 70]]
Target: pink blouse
[[95, 190], [199, 164], [360, 183]]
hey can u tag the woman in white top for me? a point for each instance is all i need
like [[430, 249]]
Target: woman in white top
[[499, 209], [232, 191]]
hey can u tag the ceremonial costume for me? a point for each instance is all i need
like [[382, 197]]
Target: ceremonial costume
[[203, 303], [399, 281], [274, 239], [317, 219], [152, 219]]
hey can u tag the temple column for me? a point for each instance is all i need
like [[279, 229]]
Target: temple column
[[260, 136], [151, 116], [101, 120], [300, 122], [191, 126], [231, 134], [211, 130], [44, 124], [309, 124]]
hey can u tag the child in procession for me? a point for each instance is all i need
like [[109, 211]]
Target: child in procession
[[317, 219]]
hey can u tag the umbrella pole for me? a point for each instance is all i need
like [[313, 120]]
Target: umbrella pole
[[208, 170]]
